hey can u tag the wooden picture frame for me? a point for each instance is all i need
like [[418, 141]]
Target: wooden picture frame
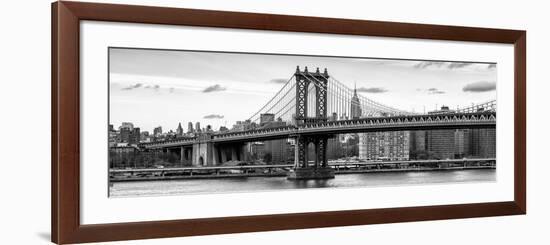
[[65, 154]]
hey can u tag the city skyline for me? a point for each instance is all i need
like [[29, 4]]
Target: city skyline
[[154, 88]]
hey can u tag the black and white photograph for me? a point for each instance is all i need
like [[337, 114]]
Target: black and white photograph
[[187, 122]]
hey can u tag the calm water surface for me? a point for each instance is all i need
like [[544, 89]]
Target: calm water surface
[[250, 184]]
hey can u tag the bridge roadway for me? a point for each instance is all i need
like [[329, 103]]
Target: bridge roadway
[[485, 119]]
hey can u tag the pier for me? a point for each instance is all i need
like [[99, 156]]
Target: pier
[[338, 167]]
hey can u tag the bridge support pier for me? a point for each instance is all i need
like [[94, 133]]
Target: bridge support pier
[[320, 169]]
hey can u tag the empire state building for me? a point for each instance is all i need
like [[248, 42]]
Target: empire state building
[[355, 105]]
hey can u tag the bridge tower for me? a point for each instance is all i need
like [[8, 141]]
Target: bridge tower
[[302, 168]]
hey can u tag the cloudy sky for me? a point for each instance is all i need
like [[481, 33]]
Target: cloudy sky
[[162, 88]]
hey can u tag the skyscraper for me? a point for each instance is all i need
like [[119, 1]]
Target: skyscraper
[[190, 127], [441, 143], [355, 105], [157, 131], [179, 130], [266, 118], [483, 142], [198, 127], [127, 125], [462, 143], [130, 136]]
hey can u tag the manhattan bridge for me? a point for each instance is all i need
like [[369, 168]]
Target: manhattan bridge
[[316, 106]]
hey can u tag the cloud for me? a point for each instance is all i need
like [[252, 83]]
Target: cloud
[[373, 90], [213, 116], [426, 64], [214, 88], [481, 86], [137, 85], [156, 87], [431, 91], [441, 64], [455, 65], [492, 66], [278, 80]]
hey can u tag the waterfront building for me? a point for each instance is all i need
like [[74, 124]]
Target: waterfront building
[[278, 150], [483, 143], [114, 138], [131, 137], [256, 150], [417, 144], [384, 145], [462, 143], [334, 148], [441, 143]]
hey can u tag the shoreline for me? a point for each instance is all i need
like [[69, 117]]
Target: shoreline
[[283, 174]]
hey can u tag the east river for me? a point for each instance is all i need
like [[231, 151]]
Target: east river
[[251, 184]]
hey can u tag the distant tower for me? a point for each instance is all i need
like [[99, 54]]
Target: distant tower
[[157, 131], [198, 127], [179, 131], [190, 127], [355, 105]]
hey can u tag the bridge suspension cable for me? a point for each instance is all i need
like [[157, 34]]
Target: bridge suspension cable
[[340, 101], [274, 101]]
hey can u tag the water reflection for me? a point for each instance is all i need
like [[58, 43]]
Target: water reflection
[[251, 184]]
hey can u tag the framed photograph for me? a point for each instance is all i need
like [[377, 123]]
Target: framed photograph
[[177, 122]]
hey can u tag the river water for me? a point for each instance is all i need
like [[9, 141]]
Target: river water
[[253, 184]]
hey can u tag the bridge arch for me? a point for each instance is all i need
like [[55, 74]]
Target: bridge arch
[[311, 100]]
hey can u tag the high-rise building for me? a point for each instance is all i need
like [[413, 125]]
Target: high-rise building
[[334, 117], [129, 136], [483, 142], [190, 127], [266, 118], [392, 145], [441, 143], [179, 130], [334, 148], [144, 137], [127, 125], [243, 125], [278, 149], [355, 105], [198, 127], [417, 140], [462, 143], [157, 131]]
